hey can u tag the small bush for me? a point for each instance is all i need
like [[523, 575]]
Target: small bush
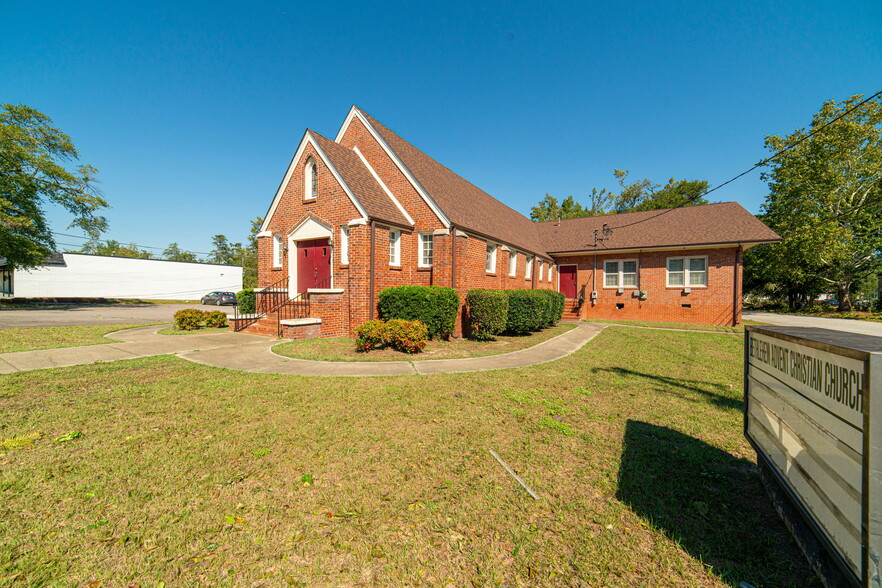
[[434, 306], [555, 308], [527, 310], [399, 334], [487, 312], [370, 335], [215, 319], [246, 301], [189, 319]]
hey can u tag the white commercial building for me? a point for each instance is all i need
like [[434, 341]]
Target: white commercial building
[[77, 275]]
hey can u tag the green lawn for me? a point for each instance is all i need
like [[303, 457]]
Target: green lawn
[[681, 326], [343, 349], [192, 475], [30, 338]]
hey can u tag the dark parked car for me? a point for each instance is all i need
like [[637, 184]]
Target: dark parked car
[[219, 298]]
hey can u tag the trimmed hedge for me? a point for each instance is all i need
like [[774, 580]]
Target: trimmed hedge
[[401, 335], [527, 311], [246, 301], [554, 312], [434, 306], [487, 312]]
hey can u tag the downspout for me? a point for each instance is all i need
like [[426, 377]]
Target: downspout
[[594, 279], [453, 256], [371, 278], [735, 293]]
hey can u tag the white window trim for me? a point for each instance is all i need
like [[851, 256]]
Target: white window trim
[[528, 269], [277, 250], [541, 270], [550, 272], [344, 245], [686, 272], [491, 267], [308, 196], [420, 260], [395, 248], [619, 278], [512, 263]]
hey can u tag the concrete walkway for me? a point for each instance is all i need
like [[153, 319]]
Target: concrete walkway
[[795, 320], [251, 353]]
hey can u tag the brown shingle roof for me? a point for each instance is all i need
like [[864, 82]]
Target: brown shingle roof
[[726, 222], [467, 206], [362, 183]]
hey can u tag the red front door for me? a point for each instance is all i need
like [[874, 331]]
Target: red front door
[[566, 274], [313, 264]]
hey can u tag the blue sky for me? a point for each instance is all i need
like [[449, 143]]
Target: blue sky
[[192, 110]]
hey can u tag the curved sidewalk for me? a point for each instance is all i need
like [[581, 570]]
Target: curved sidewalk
[[251, 353]]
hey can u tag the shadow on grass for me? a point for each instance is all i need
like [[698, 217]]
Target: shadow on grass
[[718, 394], [711, 503]]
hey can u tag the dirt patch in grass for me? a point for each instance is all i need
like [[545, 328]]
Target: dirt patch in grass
[[343, 349], [673, 326], [31, 338], [193, 475], [201, 331]]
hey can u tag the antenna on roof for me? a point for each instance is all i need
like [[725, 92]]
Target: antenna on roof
[[603, 235]]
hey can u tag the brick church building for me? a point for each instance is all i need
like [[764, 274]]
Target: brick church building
[[368, 210]]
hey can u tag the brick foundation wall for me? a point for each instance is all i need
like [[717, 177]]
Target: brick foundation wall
[[301, 332], [711, 305]]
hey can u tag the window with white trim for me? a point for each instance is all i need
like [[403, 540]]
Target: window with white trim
[[528, 270], [344, 245], [512, 263], [277, 250], [620, 273], [394, 247], [550, 271], [541, 270], [310, 180], [490, 260], [427, 249], [687, 272]]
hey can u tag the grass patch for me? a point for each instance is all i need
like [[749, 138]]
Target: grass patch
[[199, 331], [680, 326], [189, 474], [343, 349], [31, 338]]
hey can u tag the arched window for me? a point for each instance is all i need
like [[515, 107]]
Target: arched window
[[310, 187]]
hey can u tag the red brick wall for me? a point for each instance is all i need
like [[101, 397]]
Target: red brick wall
[[712, 305]]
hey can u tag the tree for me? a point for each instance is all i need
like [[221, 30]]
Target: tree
[[174, 253], [117, 249], [223, 251], [633, 197], [825, 196], [549, 209], [235, 254], [32, 173]]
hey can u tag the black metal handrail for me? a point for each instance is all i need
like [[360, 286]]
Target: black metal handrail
[[275, 299], [299, 306]]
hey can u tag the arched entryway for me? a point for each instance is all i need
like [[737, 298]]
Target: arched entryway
[[309, 257]]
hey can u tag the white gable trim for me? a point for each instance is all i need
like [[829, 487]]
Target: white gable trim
[[383, 186], [310, 228], [430, 202], [308, 140]]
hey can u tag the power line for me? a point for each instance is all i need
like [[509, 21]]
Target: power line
[[765, 161], [108, 241]]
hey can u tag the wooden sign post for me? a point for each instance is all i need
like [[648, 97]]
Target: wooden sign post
[[813, 412]]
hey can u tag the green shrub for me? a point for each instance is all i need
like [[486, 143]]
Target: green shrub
[[399, 334], [527, 311], [555, 308], [434, 306], [246, 301], [215, 319], [487, 312], [189, 319]]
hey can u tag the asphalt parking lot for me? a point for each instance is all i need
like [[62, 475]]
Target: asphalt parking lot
[[66, 315]]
